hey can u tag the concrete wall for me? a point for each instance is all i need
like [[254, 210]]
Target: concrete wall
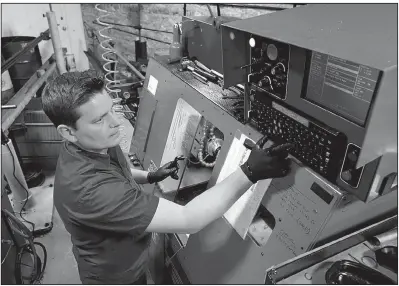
[[153, 16]]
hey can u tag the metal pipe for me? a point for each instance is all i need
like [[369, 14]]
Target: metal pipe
[[131, 33], [11, 116], [160, 41], [129, 65], [382, 238], [55, 38], [135, 27], [11, 106], [210, 10], [11, 61]]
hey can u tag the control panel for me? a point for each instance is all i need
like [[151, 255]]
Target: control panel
[[317, 146], [303, 89], [349, 173], [269, 66]]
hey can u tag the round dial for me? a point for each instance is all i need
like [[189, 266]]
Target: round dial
[[272, 52]]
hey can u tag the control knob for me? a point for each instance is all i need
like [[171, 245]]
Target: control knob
[[352, 156], [347, 175]]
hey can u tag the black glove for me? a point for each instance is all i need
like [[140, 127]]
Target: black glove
[[267, 163], [169, 169]]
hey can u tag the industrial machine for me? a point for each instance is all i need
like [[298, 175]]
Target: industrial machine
[[323, 77]]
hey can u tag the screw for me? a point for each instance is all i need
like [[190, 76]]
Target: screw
[[262, 253]]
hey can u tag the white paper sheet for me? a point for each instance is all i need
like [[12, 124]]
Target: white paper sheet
[[241, 214], [181, 134]]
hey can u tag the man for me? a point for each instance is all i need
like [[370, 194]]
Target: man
[[98, 197]]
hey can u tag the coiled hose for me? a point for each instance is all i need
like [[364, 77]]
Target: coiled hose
[[108, 55]]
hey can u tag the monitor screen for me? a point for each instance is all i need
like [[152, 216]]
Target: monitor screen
[[341, 86]]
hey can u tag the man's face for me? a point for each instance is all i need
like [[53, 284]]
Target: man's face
[[97, 128]]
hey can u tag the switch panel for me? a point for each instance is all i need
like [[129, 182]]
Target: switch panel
[[269, 66]]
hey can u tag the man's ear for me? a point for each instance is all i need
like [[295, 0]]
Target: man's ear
[[67, 132]]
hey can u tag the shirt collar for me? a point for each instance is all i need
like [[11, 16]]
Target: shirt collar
[[101, 159]]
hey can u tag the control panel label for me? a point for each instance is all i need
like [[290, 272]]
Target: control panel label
[[152, 85]]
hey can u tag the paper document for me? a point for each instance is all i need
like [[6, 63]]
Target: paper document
[[180, 138], [241, 214]]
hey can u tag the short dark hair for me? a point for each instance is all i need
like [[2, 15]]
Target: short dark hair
[[63, 95]]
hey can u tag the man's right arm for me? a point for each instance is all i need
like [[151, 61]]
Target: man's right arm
[[213, 203], [202, 210]]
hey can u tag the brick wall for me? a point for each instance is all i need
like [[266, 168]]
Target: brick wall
[[152, 16]]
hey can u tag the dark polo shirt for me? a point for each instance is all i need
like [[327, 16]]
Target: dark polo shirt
[[106, 213]]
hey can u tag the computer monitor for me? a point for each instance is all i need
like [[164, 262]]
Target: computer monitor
[[341, 86]]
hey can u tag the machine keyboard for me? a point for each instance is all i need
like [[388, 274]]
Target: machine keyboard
[[314, 145]]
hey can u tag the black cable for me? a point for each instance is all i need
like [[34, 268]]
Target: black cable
[[40, 276], [218, 8], [27, 193], [18, 262], [184, 9], [38, 266]]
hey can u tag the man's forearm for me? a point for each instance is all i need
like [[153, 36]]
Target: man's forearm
[[214, 202], [139, 176]]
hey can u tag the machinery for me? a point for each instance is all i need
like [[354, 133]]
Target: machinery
[[323, 77]]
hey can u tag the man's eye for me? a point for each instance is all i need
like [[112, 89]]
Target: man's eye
[[100, 120]]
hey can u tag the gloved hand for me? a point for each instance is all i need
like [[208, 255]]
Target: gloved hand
[[169, 169], [267, 163]]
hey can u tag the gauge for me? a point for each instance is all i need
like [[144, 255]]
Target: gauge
[[272, 52]]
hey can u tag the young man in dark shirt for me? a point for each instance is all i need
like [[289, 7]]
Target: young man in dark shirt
[[99, 198]]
